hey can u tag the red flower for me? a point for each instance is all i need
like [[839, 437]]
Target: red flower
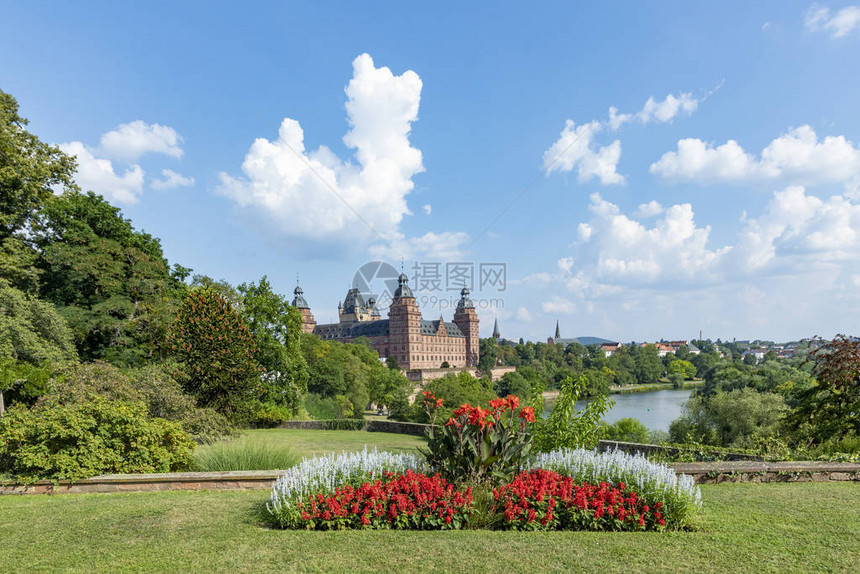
[[528, 413]]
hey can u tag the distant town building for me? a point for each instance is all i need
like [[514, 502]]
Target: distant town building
[[415, 343], [666, 347]]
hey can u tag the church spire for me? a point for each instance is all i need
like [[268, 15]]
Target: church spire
[[557, 330], [496, 334]]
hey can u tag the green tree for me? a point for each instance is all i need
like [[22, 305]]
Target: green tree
[[735, 418], [276, 326], [216, 354], [682, 368], [30, 170], [111, 282], [649, 367], [32, 330], [488, 350]]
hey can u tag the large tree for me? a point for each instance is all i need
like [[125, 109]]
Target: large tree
[[276, 326], [216, 353], [110, 281], [30, 171]]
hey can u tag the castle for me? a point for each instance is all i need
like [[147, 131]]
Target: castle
[[413, 342]]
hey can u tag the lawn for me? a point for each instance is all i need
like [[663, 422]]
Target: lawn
[[311, 442], [787, 527]]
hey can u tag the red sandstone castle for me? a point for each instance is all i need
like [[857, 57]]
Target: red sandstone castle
[[413, 342]]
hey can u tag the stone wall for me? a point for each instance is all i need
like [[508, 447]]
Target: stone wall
[[417, 429]]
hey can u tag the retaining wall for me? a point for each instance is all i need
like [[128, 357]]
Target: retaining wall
[[364, 425]]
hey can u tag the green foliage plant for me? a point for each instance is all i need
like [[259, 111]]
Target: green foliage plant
[[478, 445], [567, 427], [244, 455], [89, 438]]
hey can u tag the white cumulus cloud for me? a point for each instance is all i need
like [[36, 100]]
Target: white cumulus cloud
[[798, 230], [622, 250], [171, 179], [559, 305], [796, 157], [523, 314], [98, 174], [574, 150], [432, 246], [315, 195], [428, 209], [819, 18], [656, 112], [132, 140], [576, 147]]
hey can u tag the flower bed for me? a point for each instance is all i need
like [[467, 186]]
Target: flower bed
[[406, 501], [545, 500], [323, 475], [653, 482]]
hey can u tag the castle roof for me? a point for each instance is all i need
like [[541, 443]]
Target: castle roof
[[353, 299], [403, 289], [379, 329], [299, 299], [465, 302]]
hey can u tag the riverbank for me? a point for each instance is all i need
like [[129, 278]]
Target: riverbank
[[551, 396]]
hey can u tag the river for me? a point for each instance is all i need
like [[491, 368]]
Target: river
[[655, 409]]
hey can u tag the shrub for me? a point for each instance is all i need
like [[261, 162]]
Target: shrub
[[241, 455], [627, 430], [322, 475], [269, 414], [479, 444], [327, 408], [545, 500], [653, 482], [151, 385], [399, 501], [85, 439]]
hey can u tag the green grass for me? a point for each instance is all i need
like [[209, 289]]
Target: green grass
[[800, 527], [310, 442], [245, 455]]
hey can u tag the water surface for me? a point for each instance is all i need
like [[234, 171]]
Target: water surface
[[655, 409]]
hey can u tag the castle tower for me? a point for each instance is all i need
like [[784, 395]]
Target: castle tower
[[404, 326], [466, 319], [308, 321]]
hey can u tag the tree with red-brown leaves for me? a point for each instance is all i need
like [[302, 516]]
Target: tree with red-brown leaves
[[216, 354], [832, 406]]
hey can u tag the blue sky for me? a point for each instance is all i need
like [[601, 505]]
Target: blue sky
[[720, 195]]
